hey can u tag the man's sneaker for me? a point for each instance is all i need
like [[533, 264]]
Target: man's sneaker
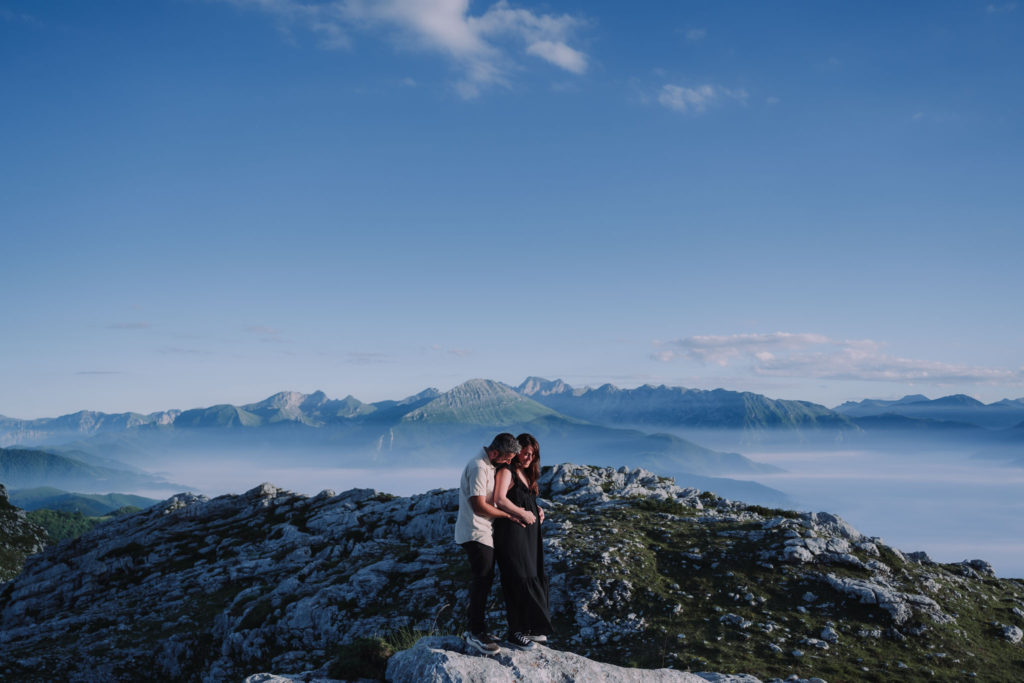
[[537, 639], [519, 641], [482, 642]]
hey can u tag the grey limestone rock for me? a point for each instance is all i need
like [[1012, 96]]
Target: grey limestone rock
[[445, 659], [976, 568], [899, 605], [1012, 633]]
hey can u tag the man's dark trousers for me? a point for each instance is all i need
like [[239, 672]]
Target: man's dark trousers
[[481, 567]]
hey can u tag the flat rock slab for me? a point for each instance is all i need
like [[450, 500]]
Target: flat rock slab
[[446, 659]]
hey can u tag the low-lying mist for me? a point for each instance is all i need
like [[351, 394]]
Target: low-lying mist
[[951, 507], [932, 497]]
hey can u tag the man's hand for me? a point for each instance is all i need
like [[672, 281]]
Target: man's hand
[[541, 511]]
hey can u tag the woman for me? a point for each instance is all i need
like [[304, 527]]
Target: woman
[[519, 549]]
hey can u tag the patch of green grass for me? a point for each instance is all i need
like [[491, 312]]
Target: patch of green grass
[[772, 512], [671, 507]]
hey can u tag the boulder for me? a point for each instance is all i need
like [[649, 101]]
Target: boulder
[[443, 659]]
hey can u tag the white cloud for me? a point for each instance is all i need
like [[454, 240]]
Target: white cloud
[[1005, 7], [479, 45], [784, 354], [696, 34], [695, 100], [559, 54]]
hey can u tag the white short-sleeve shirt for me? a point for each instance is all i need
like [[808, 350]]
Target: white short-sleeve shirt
[[477, 480]]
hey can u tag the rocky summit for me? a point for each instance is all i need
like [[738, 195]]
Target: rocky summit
[[644, 574]]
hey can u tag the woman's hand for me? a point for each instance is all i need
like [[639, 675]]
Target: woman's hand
[[528, 517], [540, 510]]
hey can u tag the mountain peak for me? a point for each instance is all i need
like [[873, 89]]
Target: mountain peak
[[957, 400], [532, 386], [479, 401]]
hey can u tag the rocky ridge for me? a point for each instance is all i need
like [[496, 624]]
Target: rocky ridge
[[643, 574], [19, 538]]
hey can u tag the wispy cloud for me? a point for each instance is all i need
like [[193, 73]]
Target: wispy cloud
[[785, 354], [480, 46], [994, 8], [695, 34], [129, 326], [368, 357], [17, 17], [448, 351], [697, 99], [100, 372], [267, 334]]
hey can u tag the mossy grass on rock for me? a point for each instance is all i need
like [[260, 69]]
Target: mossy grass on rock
[[644, 574]]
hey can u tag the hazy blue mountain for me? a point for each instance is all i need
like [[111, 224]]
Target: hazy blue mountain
[[664, 406], [221, 416], [312, 409], [955, 408], [876, 406], [89, 504], [83, 424], [28, 468], [894, 421]]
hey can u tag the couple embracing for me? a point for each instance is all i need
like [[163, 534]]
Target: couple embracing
[[499, 521]]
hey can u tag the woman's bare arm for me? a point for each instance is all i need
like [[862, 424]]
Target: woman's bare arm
[[502, 483]]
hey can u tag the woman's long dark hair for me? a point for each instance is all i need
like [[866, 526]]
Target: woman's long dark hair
[[532, 473]]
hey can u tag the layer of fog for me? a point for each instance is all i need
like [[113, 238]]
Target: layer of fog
[[940, 501], [951, 507]]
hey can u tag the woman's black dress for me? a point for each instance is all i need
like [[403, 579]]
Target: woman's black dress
[[520, 555]]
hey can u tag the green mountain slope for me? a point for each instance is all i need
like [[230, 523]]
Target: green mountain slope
[[89, 504], [479, 402]]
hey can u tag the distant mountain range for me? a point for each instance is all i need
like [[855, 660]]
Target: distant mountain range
[[485, 402], [957, 408], [662, 406], [430, 428], [641, 427]]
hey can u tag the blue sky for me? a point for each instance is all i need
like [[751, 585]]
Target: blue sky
[[208, 201]]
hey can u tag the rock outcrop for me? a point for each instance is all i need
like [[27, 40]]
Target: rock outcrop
[[446, 659], [19, 538], [643, 574]]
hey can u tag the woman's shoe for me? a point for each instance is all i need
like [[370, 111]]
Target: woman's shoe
[[519, 641]]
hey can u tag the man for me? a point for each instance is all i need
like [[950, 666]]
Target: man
[[473, 533]]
